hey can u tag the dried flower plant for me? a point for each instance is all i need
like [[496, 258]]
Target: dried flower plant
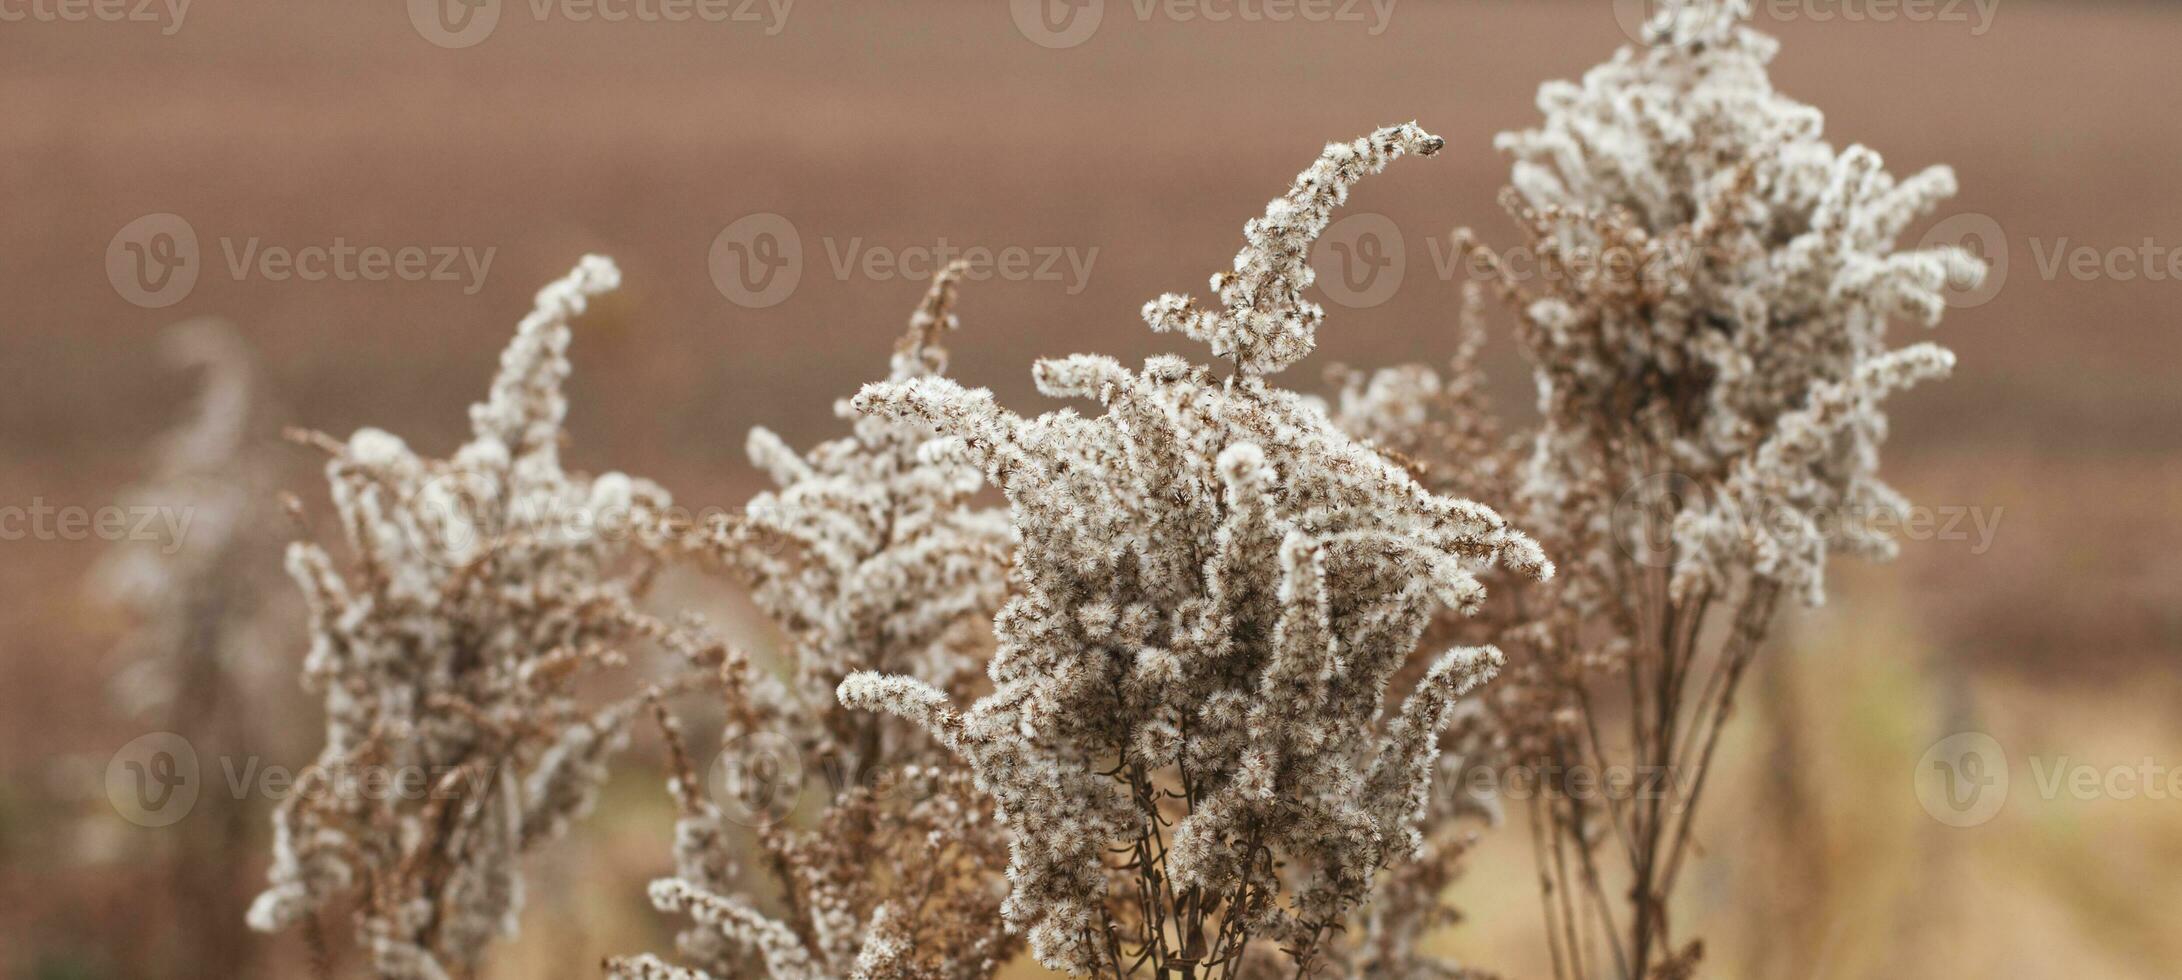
[[1708, 340], [869, 556], [206, 625], [196, 611], [482, 587], [1187, 737], [1215, 718]]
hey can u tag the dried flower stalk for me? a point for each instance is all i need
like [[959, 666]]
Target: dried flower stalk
[[481, 587], [1187, 737], [869, 556], [1708, 340]]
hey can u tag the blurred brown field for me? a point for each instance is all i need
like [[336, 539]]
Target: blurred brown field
[[887, 127]]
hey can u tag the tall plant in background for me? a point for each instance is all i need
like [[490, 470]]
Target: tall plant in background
[[1708, 339], [206, 626], [1187, 737], [482, 587], [869, 556]]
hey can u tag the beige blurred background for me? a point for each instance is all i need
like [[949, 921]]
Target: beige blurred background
[[1131, 158]]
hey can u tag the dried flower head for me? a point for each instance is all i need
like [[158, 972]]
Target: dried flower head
[[1708, 335], [872, 557], [1265, 323], [1758, 277], [481, 587], [869, 556], [1215, 587]]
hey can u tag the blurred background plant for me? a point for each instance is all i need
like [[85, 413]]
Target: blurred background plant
[[209, 635]]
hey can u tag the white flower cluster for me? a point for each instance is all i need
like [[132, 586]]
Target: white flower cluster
[[1755, 369], [871, 557], [868, 557], [1216, 587], [1708, 338], [446, 660], [1266, 323]]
